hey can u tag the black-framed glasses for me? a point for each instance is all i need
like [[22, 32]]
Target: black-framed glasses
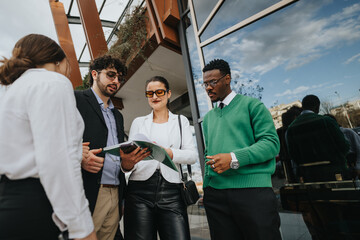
[[158, 92], [111, 75], [212, 83]]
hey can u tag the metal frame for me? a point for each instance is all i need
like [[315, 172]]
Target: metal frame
[[191, 90], [247, 21]]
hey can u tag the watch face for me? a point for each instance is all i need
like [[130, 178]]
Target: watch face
[[234, 164]]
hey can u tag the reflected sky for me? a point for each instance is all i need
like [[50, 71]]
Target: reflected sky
[[230, 13], [310, 47], [202, 98]]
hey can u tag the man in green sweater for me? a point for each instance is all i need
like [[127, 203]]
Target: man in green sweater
[[240, 148]]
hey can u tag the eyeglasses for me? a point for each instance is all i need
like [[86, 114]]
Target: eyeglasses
[[212, 83], [111, 75], [158, 92]]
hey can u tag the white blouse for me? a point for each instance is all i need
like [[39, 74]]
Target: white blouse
[[40, 137], [188, 154]]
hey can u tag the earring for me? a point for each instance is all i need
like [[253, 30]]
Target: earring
[[57, 63]]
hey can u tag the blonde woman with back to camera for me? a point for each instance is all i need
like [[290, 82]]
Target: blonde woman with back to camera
[[41, 189]]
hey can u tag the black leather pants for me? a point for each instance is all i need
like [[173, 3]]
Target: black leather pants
[[152, 206]]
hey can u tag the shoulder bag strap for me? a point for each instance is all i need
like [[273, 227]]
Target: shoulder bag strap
[[188, 165]]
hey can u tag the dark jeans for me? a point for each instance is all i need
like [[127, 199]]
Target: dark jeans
[[242, 213], [25, 211], [152, 206]]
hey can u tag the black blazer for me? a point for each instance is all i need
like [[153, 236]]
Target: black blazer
[[96, 133]]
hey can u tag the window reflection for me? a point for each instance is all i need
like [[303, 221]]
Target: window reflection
[[308, 47], [233, 12], [204, 104], [202, 10]]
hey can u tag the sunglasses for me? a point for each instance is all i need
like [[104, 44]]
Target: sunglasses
[[212, 83], [111, 75], [159, 93]]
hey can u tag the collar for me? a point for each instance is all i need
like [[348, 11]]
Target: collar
[[227, 99], [306, 111], [101, 103], [151, 115]]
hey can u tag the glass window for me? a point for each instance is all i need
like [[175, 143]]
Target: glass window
[[306, 48], [233, 12], [309, 47], [202, 10], [203, 101]]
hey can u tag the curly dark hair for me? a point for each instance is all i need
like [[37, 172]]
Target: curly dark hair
[[219, 64], [105, 62]]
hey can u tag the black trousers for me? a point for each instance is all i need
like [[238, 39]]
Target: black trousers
[[152, 206], [25, 211], [242, 213]]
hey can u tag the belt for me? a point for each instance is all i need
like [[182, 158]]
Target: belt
[[109, 186]]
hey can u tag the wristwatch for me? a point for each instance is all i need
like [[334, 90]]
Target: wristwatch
[[234, 164]]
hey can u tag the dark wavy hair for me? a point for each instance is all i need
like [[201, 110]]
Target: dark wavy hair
[[29, 52], [105, 62], [219, 64], [163, 81]]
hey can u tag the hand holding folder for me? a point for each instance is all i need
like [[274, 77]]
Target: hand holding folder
[[140, 140]]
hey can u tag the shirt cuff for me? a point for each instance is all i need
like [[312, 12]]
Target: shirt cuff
[[233, 156], [79, 227]]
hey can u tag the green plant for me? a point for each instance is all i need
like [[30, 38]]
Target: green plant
[[131, 37], [85, 83]]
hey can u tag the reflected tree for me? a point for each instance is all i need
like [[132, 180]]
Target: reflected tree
[[247, 88], [326, 106]]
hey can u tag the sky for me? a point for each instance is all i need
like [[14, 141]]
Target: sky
[[309, 47]]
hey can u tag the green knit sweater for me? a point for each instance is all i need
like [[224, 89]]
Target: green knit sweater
[[246, 128]]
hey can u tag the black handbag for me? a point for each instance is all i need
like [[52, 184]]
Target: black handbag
[[189, 190]]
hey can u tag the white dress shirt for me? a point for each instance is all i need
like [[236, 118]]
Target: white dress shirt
[[188, 154], [40, 137]]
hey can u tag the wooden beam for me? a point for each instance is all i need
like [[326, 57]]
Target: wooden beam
[[92, 27], [65, 40]]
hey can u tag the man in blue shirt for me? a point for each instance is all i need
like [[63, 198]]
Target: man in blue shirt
[[104, 183]]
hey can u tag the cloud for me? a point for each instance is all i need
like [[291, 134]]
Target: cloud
[[293, 92], [335, 85], [290, 38], [286, 81], [353, 58]]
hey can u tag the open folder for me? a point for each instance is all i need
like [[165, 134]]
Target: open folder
[[140, 140]]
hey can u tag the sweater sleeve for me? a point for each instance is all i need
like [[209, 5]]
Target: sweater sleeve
[[266, 142]]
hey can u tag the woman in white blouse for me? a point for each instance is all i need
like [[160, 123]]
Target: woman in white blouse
[[153, 203], [41, 189]]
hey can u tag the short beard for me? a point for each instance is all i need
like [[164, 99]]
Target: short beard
[[102, 88]]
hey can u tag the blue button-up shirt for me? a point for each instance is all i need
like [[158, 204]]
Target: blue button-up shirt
[[110, 174]]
